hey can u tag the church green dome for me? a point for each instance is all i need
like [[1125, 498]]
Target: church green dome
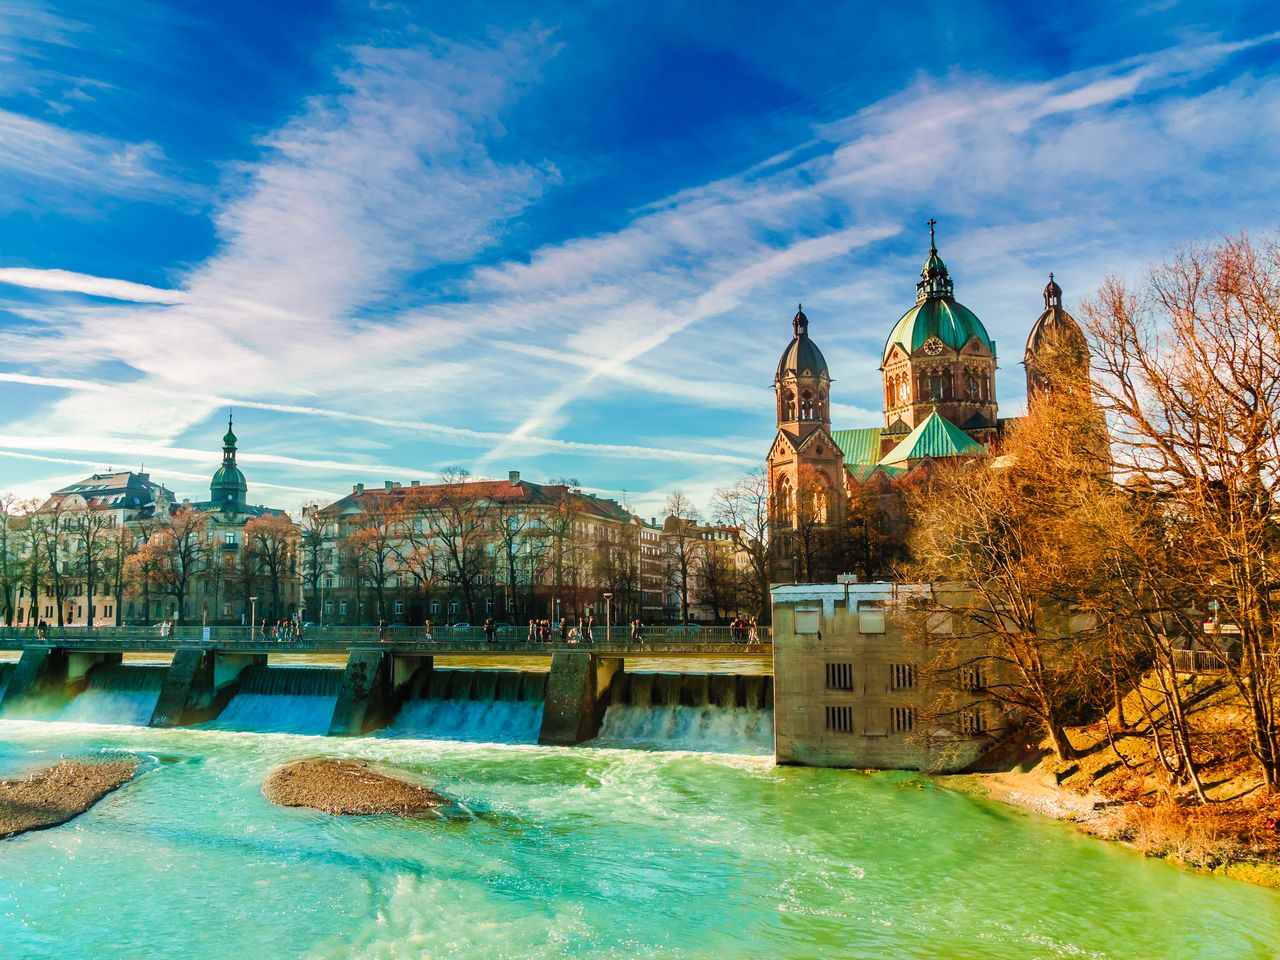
[[936, 313], [227, 480], [942, 317]]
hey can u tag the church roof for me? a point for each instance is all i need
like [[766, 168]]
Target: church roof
[[860, 446], [935, 438]]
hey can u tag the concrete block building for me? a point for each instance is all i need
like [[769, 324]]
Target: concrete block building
[[862, 679]]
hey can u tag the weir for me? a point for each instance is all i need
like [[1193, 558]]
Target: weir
[[396, 690], [117, 693], [490, 706]]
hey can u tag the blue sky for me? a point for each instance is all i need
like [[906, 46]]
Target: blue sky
[[566, 239]]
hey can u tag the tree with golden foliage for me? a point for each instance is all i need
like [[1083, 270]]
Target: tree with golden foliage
[[1000, 542], [1187, 370], [175, 553]]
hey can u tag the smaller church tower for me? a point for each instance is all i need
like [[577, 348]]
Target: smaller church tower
[[228, 489], [1057, 356], [805, 466]]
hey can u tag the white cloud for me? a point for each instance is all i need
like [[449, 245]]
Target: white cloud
[[64, 281], [394, 173]]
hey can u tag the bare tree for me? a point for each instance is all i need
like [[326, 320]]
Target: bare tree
[[271, 543], [458, 521], [681, 547], [313, 552], [1007, 541], [89, 530], [175, 554], [743, 509], [374, 543], [10, 558], [1187, 369]]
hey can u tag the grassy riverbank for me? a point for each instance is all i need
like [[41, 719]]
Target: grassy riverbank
[[1117, 789]]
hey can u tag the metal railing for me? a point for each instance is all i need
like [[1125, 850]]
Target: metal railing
[[1198, 661], [331, 637]]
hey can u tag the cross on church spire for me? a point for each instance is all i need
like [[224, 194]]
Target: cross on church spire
[[933, 247]]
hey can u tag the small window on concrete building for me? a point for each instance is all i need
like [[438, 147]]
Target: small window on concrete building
[[972, 677], [875, 722], [902, 676], [902, 719], [870, 616], [226, 609], [839, 676], [342, 608], [941, 623], [808, 622], [840, 719], [971, 722], [399, 607]]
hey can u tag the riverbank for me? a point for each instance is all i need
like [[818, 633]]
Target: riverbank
[[348, 788], [54, 795], [1116, 788]]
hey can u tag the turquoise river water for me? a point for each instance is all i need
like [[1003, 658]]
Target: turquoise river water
[[586, 852]]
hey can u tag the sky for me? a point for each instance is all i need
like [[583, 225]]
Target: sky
[[566, 238]]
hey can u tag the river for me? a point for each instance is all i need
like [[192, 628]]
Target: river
[[583, 852]]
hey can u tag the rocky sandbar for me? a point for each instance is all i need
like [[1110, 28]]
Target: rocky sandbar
[[347, 787], [56, 794]]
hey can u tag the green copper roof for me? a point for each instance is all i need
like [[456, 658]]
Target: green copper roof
[[858, 446], [937, 439], [942, 317]]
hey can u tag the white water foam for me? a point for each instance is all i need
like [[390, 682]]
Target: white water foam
[[472, 721], [277, 713], [133, 707], [706, 728], [116, 694]]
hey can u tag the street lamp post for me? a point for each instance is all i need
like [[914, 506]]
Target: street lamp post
[[608, 615], [253, 615]]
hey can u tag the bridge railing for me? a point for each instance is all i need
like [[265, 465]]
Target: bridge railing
[[340, 635]]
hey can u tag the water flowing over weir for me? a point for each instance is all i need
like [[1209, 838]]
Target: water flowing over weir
[[478, 706], [282, 700], [116, 693], [712, 712]]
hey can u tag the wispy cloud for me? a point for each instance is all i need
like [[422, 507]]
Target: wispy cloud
[[64, 281], [310, 307]]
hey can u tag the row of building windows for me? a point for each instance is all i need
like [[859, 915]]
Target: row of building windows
[[882, 721], [902, 676]]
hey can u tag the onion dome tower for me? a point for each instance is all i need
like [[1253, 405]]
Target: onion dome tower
[[939, 356], [805, 466], [802, 383], [228, 489], [1057, 356]]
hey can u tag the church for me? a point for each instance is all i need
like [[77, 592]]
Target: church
[[938, 369]]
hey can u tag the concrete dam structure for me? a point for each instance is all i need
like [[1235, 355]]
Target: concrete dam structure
[[388, 691]]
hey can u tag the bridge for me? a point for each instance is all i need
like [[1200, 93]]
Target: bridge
[[382, 667]]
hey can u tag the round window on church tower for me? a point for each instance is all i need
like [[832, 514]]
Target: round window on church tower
[[819, 449]]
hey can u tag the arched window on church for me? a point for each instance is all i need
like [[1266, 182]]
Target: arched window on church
[[970, 385], [937, 385], [788, 405], [782, 500], [806, 406]]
